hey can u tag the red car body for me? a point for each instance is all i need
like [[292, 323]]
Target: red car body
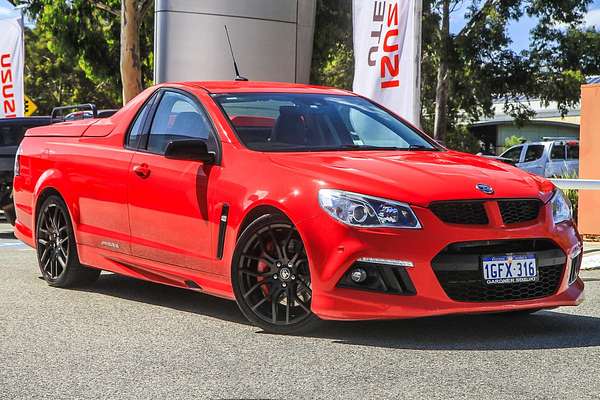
[[165, 228]]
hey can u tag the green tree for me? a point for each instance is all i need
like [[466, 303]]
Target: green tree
[[460, 139], [333, 54], [53, 79], [89, 33]]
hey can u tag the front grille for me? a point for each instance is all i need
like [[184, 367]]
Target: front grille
[[458, 270], [473, 212], [461, 212], [515, 211]]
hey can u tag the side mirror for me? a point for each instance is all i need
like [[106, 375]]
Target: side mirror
[[189, 149]]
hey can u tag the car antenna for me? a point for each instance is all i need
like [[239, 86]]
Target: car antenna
[[235, 67]]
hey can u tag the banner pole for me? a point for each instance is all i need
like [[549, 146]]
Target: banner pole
[[418, 18]]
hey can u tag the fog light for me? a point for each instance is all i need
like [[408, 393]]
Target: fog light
[[358, 275]]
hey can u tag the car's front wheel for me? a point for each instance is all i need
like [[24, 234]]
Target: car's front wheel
[[271, 276], [56, 248]]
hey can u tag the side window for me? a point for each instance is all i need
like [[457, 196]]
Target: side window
[[558, 152], [573, 152], [513, 153], [11, 135], [135, 132], [177, 117], [534, 152]]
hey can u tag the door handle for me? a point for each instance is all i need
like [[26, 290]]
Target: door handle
[[142, 170]]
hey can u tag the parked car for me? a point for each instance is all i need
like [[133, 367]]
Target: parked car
[[549, 158], [299, 202], [12, 131]]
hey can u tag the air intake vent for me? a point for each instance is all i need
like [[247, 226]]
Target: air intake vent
[[575, 267], [458, 269], [461, 212], [380, 278]]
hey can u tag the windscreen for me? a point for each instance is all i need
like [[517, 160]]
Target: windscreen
[[316, 122]]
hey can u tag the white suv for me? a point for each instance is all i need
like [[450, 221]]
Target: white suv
[[551, 158]]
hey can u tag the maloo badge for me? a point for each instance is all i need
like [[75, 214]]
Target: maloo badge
[[487, 189]]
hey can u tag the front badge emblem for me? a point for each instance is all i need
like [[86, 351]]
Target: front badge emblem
[[487, 189]]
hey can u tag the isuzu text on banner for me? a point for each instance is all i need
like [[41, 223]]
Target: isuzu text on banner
[[386, 52], [11, 66]]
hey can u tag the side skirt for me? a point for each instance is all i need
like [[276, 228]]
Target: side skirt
[[166, 274]]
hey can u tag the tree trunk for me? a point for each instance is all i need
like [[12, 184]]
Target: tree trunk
[[441, 95], [131, 69]]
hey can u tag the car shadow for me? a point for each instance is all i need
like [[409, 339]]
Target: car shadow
[[542, 330], [167, 296]]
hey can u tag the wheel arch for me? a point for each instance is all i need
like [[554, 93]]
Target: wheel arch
[[52, 182], [257, 212], [261, 210]]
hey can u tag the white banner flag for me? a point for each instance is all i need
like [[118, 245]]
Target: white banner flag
[[11, 66], [386, 52]]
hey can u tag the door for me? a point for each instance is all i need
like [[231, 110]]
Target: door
[[533, 161], [556, 166], [102, 187], [572, 160], [169, 199]]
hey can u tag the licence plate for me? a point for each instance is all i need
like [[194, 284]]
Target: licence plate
[[509, 268]]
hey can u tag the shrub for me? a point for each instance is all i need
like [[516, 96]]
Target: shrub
[[513, 141]]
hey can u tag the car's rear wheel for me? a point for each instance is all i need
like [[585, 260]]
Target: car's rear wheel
[[271, 276], [56, 248]]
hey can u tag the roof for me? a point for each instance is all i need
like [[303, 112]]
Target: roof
[[259, 86]]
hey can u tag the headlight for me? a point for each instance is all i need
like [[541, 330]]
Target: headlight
[[561, 207], [366, 211]]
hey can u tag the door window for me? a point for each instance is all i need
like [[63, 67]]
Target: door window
[[137, 128], [514, 153], [558, 152], [573, 152], [177, 117], [11, 135], [534, 152]]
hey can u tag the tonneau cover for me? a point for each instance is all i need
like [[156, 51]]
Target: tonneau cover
[[68, 129]]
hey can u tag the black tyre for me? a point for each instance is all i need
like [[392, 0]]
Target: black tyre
[[271, 276], [56, 248]]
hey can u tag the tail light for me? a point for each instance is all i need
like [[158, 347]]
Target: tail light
[[18, 162]]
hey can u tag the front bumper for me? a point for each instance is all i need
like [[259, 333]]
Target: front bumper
[[333, 248]]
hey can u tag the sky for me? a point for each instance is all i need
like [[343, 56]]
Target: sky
[[518, 31]]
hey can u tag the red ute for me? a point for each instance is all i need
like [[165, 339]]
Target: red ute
[[299, 202]]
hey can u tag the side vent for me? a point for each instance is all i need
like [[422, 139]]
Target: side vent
[[222, 230]]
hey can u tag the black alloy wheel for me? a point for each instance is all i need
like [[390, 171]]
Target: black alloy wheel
[[271, 276], [56, 248]]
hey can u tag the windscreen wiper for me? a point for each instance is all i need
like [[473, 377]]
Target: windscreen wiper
[[420, 147], [367, 147]]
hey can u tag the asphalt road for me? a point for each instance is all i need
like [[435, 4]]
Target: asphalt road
[[127, 339]]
